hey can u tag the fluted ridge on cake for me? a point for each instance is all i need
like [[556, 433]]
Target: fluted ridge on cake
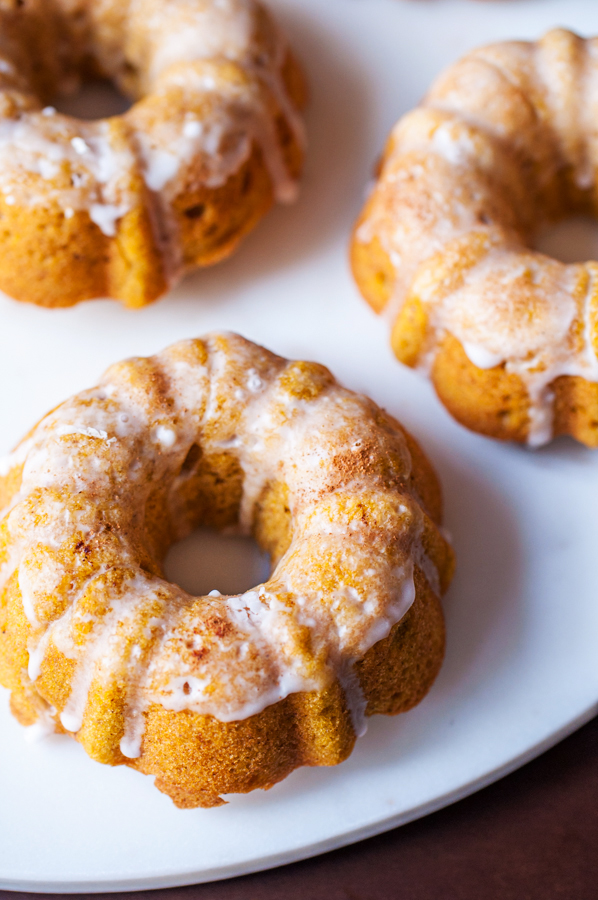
[[122, 207], [503, 143], [218, 694]]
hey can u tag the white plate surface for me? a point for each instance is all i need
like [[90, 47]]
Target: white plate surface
[[521, 667]]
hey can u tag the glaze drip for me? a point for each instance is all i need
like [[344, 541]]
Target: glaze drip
[[208, 77], [502, 144], [83, 551]]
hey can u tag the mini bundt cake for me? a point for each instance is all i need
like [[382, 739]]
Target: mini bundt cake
[[122, 207], [504, 143], [218, 694]]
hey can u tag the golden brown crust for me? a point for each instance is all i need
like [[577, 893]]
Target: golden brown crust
[[199, 758], [576, 409], [500, 146], [398, 671], [372, 270], [492, 401], [212, 221], [377, 483], [54, 261], [52, 254], [214, 758]]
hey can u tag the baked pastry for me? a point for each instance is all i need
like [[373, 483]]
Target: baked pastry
[[123, 206], [503, 143], [218, 694]]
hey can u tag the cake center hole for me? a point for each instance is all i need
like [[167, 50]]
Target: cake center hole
[[573, 240], [93, 100], [206, 561]]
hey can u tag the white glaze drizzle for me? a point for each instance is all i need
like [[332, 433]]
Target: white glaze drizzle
[[171, 41], [226, 656], [514, 307], [34, 144]]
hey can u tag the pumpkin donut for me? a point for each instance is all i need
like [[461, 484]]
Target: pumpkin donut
[[218, 694], [504, 143], [122, 207]]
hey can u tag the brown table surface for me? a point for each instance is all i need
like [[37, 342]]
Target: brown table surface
[[531, 836]]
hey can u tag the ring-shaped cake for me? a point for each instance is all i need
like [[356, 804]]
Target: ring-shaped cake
[[504, 143], [122, 207], [218, 694]]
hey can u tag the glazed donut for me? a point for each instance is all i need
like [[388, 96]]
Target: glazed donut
[[123, 206], [218, 694], [504, 143]]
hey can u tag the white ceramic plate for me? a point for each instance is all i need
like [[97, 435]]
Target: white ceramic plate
[[521, 668]]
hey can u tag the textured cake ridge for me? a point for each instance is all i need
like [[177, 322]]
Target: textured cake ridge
[[503, 144], [94, 641], [124, 206]]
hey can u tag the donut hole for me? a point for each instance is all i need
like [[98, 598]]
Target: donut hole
[[94, 99], [212, 556], [207, 560], [572, 240], [71, 58]]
